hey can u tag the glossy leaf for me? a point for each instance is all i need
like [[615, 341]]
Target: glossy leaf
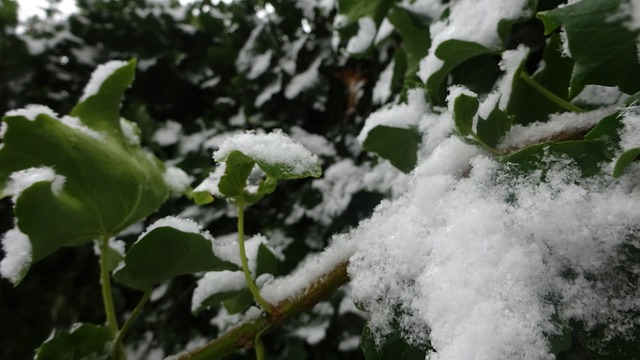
[[624, 160], [166, 252], [398, 145], [82, 342], [603, 48], [415, 36], [110, 182], [492, 129], [465, 108]]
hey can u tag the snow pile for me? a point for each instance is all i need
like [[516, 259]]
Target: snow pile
[[17, 259], [471, 262], [23, 179], [273, 148], [364, 38], [472, 21]]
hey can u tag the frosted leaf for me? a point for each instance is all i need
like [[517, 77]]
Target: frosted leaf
[[303, 81], [32, 111], [210, 184], [17, 259], [272, 148], [216, 282], [176, 179], [99, 75], [75, 123], [184, 225], [22, 179], [472, 21]]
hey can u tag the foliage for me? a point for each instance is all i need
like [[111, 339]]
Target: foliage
[[207, 72]]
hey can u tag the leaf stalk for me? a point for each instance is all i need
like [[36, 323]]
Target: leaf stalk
[[549, 95]]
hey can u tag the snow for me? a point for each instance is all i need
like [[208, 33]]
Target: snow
[[268, 92], [17, 259], [272, 148], [474, 272], [30, 112], [365, 36], [176, 179], [210, 183], [99, 75], [216, 282], [599, 95], [382, 89], [317, 144], [168, 134], [23, 179], [472, 21], [400, 116], [130, 131], [562, 123], [226, 248], [564, 38], [259, 65], [303, 80], [184, 225], [630, 133], [76, 123], [313, 268]]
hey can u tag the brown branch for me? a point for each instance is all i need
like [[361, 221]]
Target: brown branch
[[242, 336]]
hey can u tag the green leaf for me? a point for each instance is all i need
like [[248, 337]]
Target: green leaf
[[239, 303], [607, 134], [393, 347], [603, 48], [587, 156], [453, 53], [492, 129], [399, 146], [166, 252], [109, 183], [238, 168], [267, 262], [528, 105], [82, 342], [561, 342], [625, 160], [415, 37], [465, 108], [356, 9]]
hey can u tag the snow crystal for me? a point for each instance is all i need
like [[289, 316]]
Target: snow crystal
[[303, 81], [176, 179], [564, 38], [23, 179], [99, 75], [365, 36], [130, 131], [400, 116], [272, 148], [210, 183], [184, 225], [17, 259], [382, 89], [168, 134], [216, 282], [75, 123], [472, 21], [32, 111]]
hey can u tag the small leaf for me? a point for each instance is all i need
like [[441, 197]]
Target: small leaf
[[238, 169], [356, 9], [604, 49], [239, 303], [398, 145], [392, 347], [415, 36], [465, 108], [493, 129], [453, 53], [82, 342], [166, 252], [625, 160]]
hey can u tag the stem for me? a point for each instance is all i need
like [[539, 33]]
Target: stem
[[105, 281], [258, 346], [245, 264], [549, 95], [121, 334], [107, 296], [244, 335]]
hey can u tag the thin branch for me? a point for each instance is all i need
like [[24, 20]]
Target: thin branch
[[243, 335]]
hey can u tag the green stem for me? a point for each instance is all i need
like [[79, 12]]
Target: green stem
[[107, 296], [549, 95], [245, 264], [121, 334], [258, 346]]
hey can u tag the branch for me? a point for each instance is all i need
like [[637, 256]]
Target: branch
[[242, 336]]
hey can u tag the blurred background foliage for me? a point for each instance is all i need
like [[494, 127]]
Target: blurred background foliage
[[205, 70]]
